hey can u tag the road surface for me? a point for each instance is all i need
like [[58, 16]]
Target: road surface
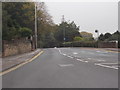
[[67, 68]]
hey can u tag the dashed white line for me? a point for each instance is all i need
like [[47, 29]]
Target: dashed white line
[[64, 54], [96, 60], [59, 51], [98, 64], [70, 56], [75, 53], [86, 61]]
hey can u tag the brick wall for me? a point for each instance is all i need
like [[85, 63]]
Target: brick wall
[[16, 47]]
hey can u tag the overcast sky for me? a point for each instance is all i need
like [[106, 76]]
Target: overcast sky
[[102, 16]]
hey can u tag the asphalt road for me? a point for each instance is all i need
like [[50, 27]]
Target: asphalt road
[[67, 68]]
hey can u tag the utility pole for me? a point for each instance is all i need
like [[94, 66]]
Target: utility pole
[[63, 20], [35, 26]]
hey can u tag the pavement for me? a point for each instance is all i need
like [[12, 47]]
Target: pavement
[[67, 68], [11, 61]]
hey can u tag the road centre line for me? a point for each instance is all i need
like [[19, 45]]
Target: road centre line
[[64, 54], [70, 56], [96, 60], [75, 53], [59, 51], [98, 64], [82, 60]]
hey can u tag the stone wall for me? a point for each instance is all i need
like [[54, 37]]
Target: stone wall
[[16, 47]]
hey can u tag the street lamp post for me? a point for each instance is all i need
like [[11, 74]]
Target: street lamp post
[[96, 31]]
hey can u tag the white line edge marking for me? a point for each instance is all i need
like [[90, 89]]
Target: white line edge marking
[[106, 66]]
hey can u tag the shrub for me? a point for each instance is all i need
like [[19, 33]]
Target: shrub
[[25, 32], [78, 39], [81, 44]]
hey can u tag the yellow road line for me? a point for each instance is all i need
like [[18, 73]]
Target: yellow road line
[[108, 50], [101, 49], [112, 51], [20, 65]]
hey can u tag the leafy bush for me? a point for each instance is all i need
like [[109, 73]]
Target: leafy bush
[[80, 44], [25, 32], [78, 39]]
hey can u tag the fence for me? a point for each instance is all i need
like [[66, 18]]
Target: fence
[[108, 45]]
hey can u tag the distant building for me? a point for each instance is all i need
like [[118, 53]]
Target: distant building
[[86, 34]]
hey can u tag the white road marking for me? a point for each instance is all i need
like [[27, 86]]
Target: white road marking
[[102, 51], [101, 60], [86, 61], [109, 63], [98, 51], [75, 53], [64, 54], [89, 58], [59, 51], [96, 60], [65, 65], [70, 56], [106, 66], [82, 60]]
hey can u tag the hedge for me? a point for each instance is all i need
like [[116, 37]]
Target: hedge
[[80, 44]]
